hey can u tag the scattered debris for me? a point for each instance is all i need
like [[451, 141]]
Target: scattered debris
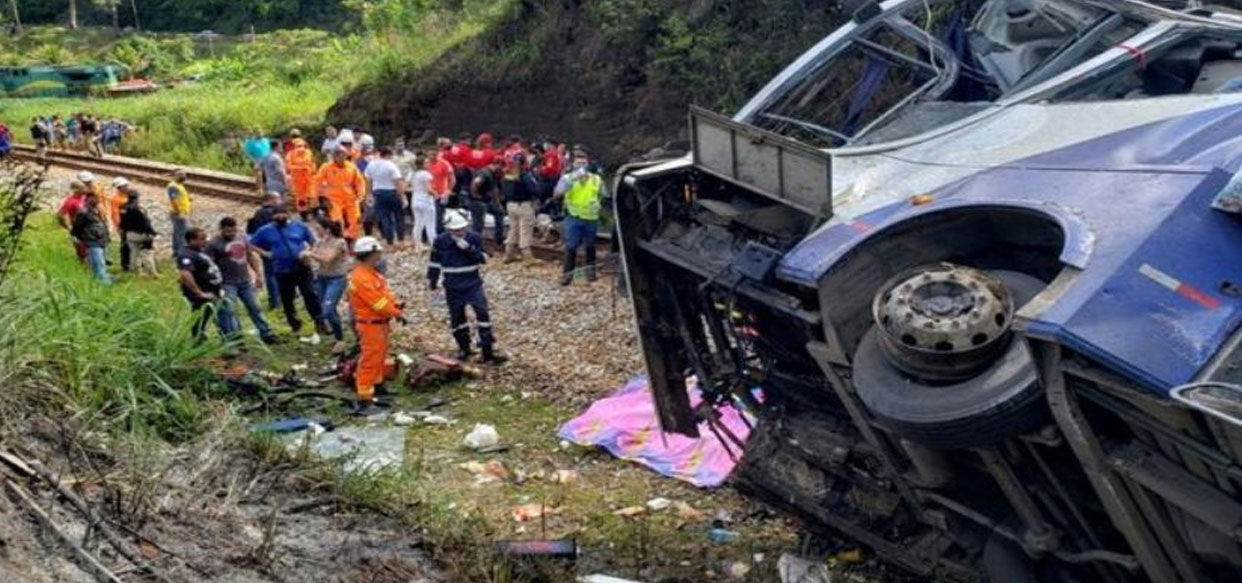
[[491, 471], [565, 548], [795, 569], [720, 535], [436, 420], [565, 477], [291, 425], [849, 556], [604, 579], [481, 436], [403, 419], [688, 512], [630, 511], [658, 504], [529, 512], [739, 569]]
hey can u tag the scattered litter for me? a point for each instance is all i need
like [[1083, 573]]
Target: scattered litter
[[364, 447], [402, 418], [658, 504], [625, 424], [849, 556], [565, 548], [299, 367], [720, 535], [565, 477], [738, 569], [795, 569], [481, 436], [436, 420], [290, 425], [405, 359], [499, 447], [630, 511], [315, 429], [688, 512], [529, 512], [604, 579], [757, 558]]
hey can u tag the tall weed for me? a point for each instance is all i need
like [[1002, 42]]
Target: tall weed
[[113, 356]]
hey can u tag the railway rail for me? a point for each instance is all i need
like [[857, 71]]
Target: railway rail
[[200, 182]]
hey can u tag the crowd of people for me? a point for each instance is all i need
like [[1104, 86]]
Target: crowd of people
[[322, 232], [78, 131]]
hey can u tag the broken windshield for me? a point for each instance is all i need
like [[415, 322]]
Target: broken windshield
[[927, 64]]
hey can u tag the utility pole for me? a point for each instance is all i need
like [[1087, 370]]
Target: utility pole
[[115, 5], [73, 14], [133, 4], [17, 16]]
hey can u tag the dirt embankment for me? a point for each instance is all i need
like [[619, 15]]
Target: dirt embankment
[[616, 75]]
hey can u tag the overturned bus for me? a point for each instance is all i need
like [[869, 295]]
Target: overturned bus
[[970, 253]]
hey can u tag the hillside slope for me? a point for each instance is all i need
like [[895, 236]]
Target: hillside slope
[[616, 75]]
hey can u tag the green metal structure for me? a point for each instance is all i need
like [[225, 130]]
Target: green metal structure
[[56, 81]]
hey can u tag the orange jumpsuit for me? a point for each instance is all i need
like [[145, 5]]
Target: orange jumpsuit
[[301, 164], [344, 187], [374, 307]]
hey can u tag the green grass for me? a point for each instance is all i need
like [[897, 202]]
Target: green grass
[[120, 357], [279, 81]]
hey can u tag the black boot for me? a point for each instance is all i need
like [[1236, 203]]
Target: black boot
[[591, 276], [490, 356], [464, 353]]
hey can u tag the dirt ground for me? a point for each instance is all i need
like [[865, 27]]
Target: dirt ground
[[569, 347]]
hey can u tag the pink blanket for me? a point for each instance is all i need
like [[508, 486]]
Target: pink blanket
[[626, 425]]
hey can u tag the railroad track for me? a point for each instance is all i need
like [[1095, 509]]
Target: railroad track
[[202, 182]]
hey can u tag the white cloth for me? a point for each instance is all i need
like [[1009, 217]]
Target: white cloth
[[420, 186], [383, 174]]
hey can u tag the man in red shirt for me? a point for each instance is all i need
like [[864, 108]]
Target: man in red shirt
[[459, 152], [511, 152], [443, 179], [69, 208], [482, 155]]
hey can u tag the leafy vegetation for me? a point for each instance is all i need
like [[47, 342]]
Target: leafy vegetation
[[266, 85], [226, 16], [116, 357]]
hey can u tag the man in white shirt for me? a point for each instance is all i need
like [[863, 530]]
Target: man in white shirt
[[385, 183]]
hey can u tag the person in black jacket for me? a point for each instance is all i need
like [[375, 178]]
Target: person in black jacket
[[90, 229], [138, 234]]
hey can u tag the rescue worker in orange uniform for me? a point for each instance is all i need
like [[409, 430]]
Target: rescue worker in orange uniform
[[375, 307], [341, 188], [300, 162]]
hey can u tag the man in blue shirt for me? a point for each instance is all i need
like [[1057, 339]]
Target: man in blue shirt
[[283, 243]]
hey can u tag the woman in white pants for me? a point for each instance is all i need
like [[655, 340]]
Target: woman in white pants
[[419, 180]]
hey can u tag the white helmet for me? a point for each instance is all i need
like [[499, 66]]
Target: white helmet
[[367, 245], [345, 137], [86, 176], [367, 140], [455, 220], [119, 182]]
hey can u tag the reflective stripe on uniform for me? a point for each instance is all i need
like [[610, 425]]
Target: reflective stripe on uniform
[[380, 304], [465, 326], [466, 269]]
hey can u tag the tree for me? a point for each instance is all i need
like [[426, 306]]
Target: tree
[[113, 8], [17, 15], [134, 5], [73, 14]]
